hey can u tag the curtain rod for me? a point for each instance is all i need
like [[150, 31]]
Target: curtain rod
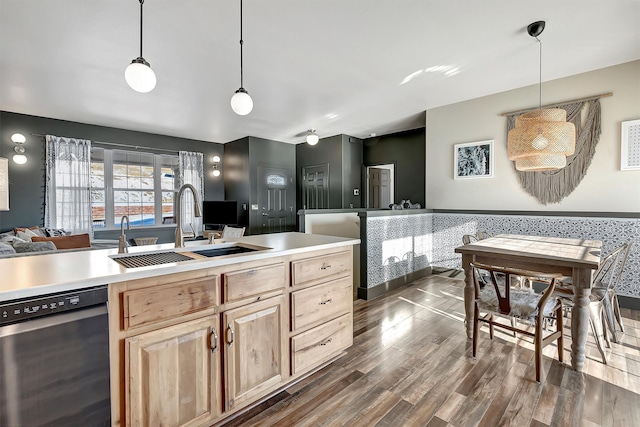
[[122, 145], [588, 98]]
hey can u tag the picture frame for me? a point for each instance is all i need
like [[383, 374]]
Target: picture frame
[[473, 160], [630, 145]]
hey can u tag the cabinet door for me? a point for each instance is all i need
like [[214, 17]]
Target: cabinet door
[[254, 350], [172, 375]]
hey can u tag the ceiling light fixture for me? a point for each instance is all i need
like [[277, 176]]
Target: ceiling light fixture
[[241, 102], [542, 139], [312, 137], [19, 157], [139, 75]]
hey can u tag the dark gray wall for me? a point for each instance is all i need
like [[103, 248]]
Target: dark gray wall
[[407, 150], [327, 150], [243, 157], [352, 152], [236, 177], [26, 182]]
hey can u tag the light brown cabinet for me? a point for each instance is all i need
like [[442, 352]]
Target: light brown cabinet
[[173, 375], [191, 348], [255, 356]]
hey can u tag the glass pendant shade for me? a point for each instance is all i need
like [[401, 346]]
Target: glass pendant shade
[[541, 140], [139, 76], [312, 139], [20, 159], [241, 102]]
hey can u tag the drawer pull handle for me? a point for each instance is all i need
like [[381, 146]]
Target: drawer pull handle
[[325, 302], [230, 330], [214, 335], [325, 342], [325, 266]]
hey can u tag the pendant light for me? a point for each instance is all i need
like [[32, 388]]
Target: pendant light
[[312, 137], [139, 75], [542, 139], [241, 102]]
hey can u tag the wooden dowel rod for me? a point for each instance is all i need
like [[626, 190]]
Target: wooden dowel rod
[[589, 98]]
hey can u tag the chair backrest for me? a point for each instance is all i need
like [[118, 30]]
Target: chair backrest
[[232, 231], [498, 276], [468, 238], [611, 267], [480, 235]]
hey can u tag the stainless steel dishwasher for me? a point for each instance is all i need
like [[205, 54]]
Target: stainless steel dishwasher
[[54, 360]]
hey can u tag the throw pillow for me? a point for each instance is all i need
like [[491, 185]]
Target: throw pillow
[[34, 247], [6, 248], [67, 242], [54, 232], [26, 235], [35, 229], [11, 239]]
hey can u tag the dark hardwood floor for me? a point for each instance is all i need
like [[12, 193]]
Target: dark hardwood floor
[[411, 365]]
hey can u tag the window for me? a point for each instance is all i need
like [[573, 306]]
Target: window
[[139, 185]]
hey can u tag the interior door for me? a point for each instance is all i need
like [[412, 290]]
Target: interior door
[[276, 199], [315, 186], [379, 188]]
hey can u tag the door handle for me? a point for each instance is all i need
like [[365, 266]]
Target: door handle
[[214, 335], [230, 330], [265, 214]]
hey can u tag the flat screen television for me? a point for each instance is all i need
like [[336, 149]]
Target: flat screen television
[[220, 212]]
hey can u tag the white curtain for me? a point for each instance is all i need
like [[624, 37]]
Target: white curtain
[[191, 172], [68, 185]]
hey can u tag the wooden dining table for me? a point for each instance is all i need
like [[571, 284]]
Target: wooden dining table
[[575, 258]]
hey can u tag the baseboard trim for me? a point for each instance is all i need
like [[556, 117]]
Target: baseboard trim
[[390, 285]]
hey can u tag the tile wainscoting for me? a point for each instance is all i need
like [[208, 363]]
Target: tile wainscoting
[[448, 229]]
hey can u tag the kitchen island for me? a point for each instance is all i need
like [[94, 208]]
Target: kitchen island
[[195, 342]]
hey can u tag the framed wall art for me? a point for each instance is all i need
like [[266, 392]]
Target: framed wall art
[[630, 145], [473, 160]]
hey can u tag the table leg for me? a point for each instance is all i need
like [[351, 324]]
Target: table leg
[[469, 294], [580, 317]]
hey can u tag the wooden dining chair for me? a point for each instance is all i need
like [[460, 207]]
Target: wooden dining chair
[[500, 302], [604, 310], [469, 238], [232, 232]]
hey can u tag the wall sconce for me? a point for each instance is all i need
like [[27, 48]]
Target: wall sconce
[[19, 157], [4, 184], [216, 160]]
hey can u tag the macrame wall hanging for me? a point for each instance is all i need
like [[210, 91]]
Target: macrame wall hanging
[[553, 186]]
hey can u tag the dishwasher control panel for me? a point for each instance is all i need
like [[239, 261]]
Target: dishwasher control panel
[[16, 311]]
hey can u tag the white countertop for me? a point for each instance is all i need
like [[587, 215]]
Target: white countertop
[[36, 275]]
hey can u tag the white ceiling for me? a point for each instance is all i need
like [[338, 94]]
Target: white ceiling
[[334, 65]]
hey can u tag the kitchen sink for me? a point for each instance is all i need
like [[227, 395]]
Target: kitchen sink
[[167, 257], [229, 250]]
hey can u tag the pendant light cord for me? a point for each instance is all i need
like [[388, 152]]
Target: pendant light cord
[[241, 44], [141, 2], [540, 74]]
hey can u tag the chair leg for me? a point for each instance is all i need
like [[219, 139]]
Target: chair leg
[[475, 330], [559, 328], [491, 326], [595, 320], [616, 308], [609, 316], [538, 350]]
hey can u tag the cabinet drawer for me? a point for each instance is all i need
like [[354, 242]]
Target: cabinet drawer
[[321, 302], [320, 268], [255, 281], [148, 305], [321, 343]]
